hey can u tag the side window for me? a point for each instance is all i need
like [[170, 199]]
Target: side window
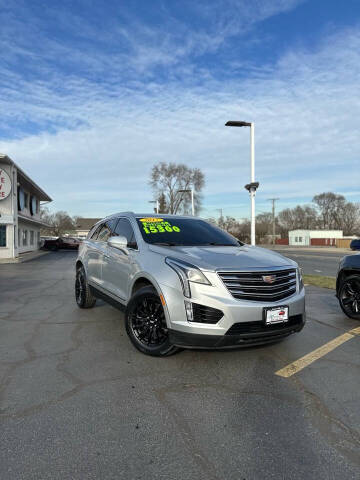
[[95, 233], [112, 224], [104, 233], [125, 229]]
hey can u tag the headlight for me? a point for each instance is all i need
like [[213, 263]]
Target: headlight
[[300, 280], [187, 273]]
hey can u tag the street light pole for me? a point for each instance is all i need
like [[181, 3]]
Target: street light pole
[[252, 191], [252, 186], [157, 204]]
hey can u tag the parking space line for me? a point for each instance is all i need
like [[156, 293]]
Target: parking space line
[[311, 357]]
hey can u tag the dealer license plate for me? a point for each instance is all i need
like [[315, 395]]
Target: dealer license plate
[[276, 315]]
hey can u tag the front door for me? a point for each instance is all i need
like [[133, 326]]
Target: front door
[[120, 266]]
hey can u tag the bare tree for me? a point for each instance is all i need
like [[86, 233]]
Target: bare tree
[[330, 206], [239, 229], [350, 218], [59, 222], [299, 217], [336, 213], [163, 208], [169, 178]]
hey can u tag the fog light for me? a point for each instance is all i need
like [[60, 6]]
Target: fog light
[[189, 311]]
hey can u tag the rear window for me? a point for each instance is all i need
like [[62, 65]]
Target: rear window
[[183, 231]]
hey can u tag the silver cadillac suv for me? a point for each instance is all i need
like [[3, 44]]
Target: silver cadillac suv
[[185, 283]]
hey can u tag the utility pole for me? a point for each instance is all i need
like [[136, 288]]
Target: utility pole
[[273, 200]]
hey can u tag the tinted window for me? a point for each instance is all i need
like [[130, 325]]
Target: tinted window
[[104, 233], [183, 231], [125, 229], [96, 233], [112, 224], [101, 231]]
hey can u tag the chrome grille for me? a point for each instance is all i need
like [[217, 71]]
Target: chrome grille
[[252, 286]]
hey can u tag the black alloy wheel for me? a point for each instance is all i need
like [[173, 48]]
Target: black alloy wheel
[[349, 296], [146, 323], [83, 295], [79, 287]]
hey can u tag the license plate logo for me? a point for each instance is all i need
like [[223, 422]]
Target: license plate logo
[[276, 315]]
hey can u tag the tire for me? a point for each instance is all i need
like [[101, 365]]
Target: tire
[[83, 296], [146, 325], [349, 296]]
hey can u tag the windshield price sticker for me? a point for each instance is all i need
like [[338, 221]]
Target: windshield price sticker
[[151, 220], [159, 226]]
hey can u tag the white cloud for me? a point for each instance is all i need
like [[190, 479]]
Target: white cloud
[[108, 134]]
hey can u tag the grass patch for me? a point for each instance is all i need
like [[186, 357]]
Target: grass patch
[[320, 281]]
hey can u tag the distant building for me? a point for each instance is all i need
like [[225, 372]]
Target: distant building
[[20, 200], [83, 226], [314, 237]]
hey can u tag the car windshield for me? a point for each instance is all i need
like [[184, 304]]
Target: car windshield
[[173, 231]]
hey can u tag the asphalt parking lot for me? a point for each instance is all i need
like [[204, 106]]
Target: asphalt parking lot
[[77, 401]]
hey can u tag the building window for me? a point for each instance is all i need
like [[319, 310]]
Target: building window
[[24, 238], [31, 237], [27, 197], [296, 239], [300, 239], [2, 235], [38, 238], [19, 237], [15, 245]]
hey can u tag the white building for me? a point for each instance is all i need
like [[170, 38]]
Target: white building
[[314, 237], [20, 221]]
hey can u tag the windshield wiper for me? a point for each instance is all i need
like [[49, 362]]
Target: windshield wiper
[[220, 244], [167, 244]]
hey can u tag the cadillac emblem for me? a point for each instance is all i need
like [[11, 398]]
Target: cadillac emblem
[[269, 278]]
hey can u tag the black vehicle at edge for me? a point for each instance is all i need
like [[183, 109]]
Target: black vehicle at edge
[[348, 285], [355, 244]]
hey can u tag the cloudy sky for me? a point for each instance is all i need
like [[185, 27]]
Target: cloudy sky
[[93, 93]]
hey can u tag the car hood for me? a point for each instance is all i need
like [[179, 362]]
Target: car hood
[[228, 258]]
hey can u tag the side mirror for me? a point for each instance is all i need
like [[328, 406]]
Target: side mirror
[[119, 242]]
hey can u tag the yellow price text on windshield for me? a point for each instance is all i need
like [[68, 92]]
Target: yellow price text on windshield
[[150, 227]]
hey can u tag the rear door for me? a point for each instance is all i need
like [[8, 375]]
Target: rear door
[[95, 253], [119, 266]]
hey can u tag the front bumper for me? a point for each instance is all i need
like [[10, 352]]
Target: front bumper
[[218, 297], [262, 336]]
